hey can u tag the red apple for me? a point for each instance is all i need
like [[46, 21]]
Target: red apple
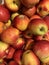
[[10, 53], [41, 49], [29, 11], [42, 8], [21, 22], [46, 19], [19, 42], [38, 27], [29, 3], [17, 56], [4, 14], [12, 5], [10, 35], [12, 63], [29, 58]]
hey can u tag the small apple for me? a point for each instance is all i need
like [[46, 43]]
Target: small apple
[[1, 27], [21, 22], [19, 42], [29, 3], [42, 8], [3, 48], [14, 15], [41, 49], [17, 56], [46, 19], [35, 16], [29, 58], [29, 11], [12, 5], [12, 63], [4, 14], [10, 53], [38, 27], [10, 35]]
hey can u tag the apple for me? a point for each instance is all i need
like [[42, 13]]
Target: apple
[[12, 5], [38, 27], [10, 53], [17, 56], [4, 14], [12, 63], [19, 43], [35, 16], [41, 49], [29, 44], [46, 19], [29, 58], [14, 15], [3, 48], [10, 35], [29, 3], [1, 27], [29, 11], [21, 22], [42, 8]]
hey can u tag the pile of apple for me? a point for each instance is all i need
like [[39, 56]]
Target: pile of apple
[[24, 32]]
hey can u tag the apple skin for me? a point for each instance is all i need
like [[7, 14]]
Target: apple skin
[[1, 27], [12, 63], [29, 11], [36, 25], [3, 48], [35, 16], [31, 58], [41, 49], [12, 5], [6, 13], [19, 42], [17, 56], [21, 22], [10, 35], [46, 19], [42, 8], [29, 3]]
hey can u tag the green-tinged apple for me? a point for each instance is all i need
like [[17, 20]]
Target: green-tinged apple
[[17, 56], [29, 58], [3, 48], [46, 19], [14, 15], [41, 49], [10, 35], [43, 8], [38, 27], [29, 3], [4, 14], [12, 5], [29, 11], [35, 16], [19, 43], [12, 63], [21, 22], [1, 27]]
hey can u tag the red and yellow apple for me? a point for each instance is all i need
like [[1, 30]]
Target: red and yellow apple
[[4, 14], [38, 27], [41, 49], [12, 5], [29, 58], [21, 22]]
